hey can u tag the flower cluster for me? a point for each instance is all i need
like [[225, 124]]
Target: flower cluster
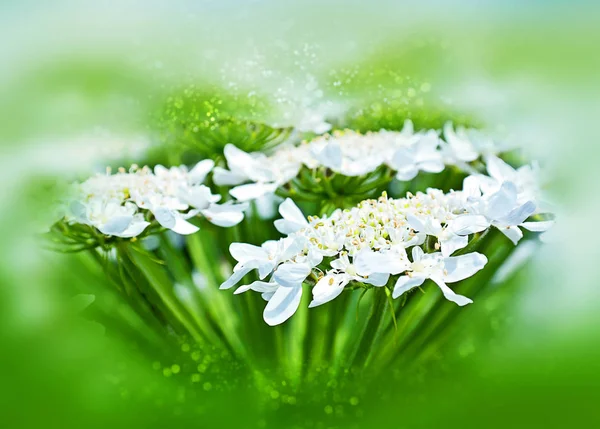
[[396, 243], [353, 154], [126, 203]]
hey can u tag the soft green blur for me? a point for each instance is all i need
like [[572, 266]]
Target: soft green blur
[[89, 85]]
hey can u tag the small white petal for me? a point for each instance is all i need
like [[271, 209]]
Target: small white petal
[[512, 232], [471, 186], [243, 252], [293, 219], [267, 295], [327, 289], [502, 202], [135, 229], [200, 197], [282, 305], [463, 266], [235, 278], [432, 166], [498, 169], [469, 224], [225, 215], [417, 253], [116, 225], [252, 191], [290, 247], [223, 177], [407, 173], [201, 170], [330, 155], [377, 279], [368, 262], [538, 226], [237, 159], [406, 283], [291, 274], [461, 147], [258, 286], [449, 293], [519, 214], [183, 227], [165, 217], [451, 245]]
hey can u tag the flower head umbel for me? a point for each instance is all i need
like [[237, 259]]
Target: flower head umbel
[[371, 160], [130, 203], [392, 243]]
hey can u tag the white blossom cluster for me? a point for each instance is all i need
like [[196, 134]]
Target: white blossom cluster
[[353, 154], [371, 242], [125, 204]]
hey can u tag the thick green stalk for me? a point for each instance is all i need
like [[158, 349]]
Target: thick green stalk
[[163, 286], [212, 299]]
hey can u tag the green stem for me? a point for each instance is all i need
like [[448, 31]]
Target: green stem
[[369, 334], [162, 285]]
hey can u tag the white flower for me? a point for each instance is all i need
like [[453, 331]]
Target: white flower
[[422, 155], [367, 246], [242, 167], [505, 208], [526, 179], [348, 153], [459, 148], [313, 121], [293, 219], [328, 288], [448, 240], [265, 173], [109, 217], [123, 204], [441, 270], [350, 272], [467, 144], [351, 154], [264, 258]]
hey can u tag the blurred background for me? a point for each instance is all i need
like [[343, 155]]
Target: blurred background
[[89, 84]]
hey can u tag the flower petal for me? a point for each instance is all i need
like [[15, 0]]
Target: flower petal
[[461, 267], [406, 283], [328, 288], [538, 226], [330, 155], [223, 177], [449, 294], [368, 262], [235, 278], [135, 229], [258, 286], [453, 243], [519, 214], [376, 279], [512, 232], [201, 170], [291, 274], [293, 219], [116, 225], [225, 215], [468, 224], [183, 227], [498, 169], [164, 216], [251, 191], [282, 305], [243, 252]]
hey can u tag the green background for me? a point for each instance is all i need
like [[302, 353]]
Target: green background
[[77, 78]]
